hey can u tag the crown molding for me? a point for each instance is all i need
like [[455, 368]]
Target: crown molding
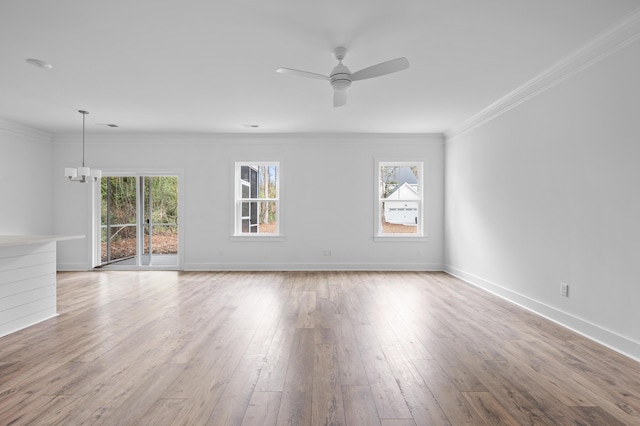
[[21, 130], [623, 33], [259, 138]]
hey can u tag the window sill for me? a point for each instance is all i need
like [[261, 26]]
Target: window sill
[[400, 237], [261, 238]]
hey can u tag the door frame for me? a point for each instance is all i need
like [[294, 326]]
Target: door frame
[[95, 223]]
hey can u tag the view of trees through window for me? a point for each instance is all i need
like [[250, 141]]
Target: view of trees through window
[[120, 218], [399, 198], [258, 199]]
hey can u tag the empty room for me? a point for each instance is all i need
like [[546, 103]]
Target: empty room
[[332, 213]]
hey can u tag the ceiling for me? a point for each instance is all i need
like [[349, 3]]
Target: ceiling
[[204, 66]]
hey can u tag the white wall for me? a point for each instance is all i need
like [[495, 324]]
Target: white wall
[[25, 181], [318, 173], [549, 192]]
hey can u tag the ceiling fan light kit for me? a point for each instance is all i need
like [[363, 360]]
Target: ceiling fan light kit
[[341, 77]]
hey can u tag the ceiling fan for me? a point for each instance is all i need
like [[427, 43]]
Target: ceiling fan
[[341, 78]]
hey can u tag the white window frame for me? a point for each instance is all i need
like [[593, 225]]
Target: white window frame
[[238, 234], [419, 235]]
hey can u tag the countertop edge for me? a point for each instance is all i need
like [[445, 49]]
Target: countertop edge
[[20, 240]]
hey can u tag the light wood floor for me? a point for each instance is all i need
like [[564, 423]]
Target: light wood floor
[[303, 348]]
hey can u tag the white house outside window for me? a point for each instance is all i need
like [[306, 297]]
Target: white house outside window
[[257, 206], [399, 210]]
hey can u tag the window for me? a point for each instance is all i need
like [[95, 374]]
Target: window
[[399, 205], [257, 206]]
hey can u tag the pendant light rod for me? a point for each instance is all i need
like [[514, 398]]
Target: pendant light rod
[[84, 113], [82, 174]]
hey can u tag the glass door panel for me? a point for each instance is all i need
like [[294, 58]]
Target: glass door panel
[[159, 218], [118, 219]]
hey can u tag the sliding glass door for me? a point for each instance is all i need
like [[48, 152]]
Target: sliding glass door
[[159, 214], [139, 221]]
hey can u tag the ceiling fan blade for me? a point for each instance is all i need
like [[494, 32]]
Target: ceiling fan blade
[[302, 73], [384, 68], [339, 98]]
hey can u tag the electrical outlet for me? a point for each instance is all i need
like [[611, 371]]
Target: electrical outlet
[[326, 252], [564, 289]]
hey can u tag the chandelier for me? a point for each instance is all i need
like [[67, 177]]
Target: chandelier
[[82, 174]]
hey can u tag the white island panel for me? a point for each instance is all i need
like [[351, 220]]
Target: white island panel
[[27, 280]]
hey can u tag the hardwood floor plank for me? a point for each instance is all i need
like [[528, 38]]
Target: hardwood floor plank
[[489, 409], [598, 416], [450, 399], [26, 408], [142, 400], [207, 362], [233, 403], [350, 363], [539, 371], [353, 308], [297, 395], [536, 394], [411, 338], [129, 383], [45, 410], [162, 412], [386, 393], [274, 370], [454, 365], [204, 389], [423, 407], [70, 377], [325, 314], [327, 404], [263, 409], [397, 422], [303, 348], [519, 406], [359, 407], [624, 395], [623, 404], [306, 310]]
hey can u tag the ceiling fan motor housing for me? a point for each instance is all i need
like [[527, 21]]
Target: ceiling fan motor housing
[[340, 77]]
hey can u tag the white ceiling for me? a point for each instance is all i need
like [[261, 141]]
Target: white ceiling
[[207, 66]]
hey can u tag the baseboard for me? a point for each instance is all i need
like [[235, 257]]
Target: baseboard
[[232, 266], [25, 322], [608, 338], [313, 267], [72, 267]]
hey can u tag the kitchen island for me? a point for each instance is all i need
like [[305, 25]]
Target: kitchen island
[[27, 279]]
